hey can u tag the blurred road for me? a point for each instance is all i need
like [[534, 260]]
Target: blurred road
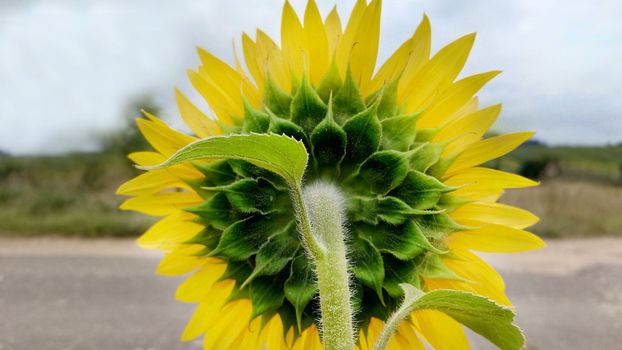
[[59, 294]]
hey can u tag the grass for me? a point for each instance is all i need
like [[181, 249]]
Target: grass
[[569, 208], [69, 195]]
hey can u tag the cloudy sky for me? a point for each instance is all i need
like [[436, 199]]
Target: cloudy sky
[[68, 68]]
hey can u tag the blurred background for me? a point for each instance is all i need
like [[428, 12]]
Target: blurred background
[[75, 73]]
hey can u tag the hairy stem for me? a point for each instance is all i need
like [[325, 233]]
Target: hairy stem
[[319, 208], [411, 295]]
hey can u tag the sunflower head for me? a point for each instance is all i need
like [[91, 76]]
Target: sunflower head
[[403, 145]]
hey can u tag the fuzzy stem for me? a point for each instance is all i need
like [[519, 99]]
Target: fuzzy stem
[[321, 223]]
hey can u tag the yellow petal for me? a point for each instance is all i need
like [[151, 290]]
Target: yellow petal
[[440, 330], [309, 339], [405, 338], [452, 99], [146, 158], [316, 42], [151, 182], [480, 213], [467, 130], [208, 311], [473, 268], [162, 137], [481, 193], [437, 74], [485, 150], [181, 261], [333, 30], [489, 177], [470, 107], [223, 105], [347, 41], [271, 61], [199, 123], [419, 56], [171, 230], [196, 287], [232, 323], [272, 334], [252, 60], [365, 51], [497, 239], [292, 40], [160, 204]]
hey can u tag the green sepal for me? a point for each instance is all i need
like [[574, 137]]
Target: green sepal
[[243, 239], [425, 156], [238, 293], [404, 242], [382, 171], [367, 265], [254, 121], [245, 169], [397, 272], [433, 267], [438, 226], [216, 173], [426, 135], [266, 295], [217, 211], [276, 100], [237, 271], [330, 84], [364, 132], [329, 142], [399, 132], [300, 287], [274, 255], [388, 209], [307, 109], [388, 100], [348, 101], [209, 237], [282, 126], [450, 202], [420, 191], [249, 195], [440, 167]]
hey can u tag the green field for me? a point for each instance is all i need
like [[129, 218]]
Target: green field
[[74, 195]]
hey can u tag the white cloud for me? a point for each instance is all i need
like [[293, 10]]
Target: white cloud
[[67, 68]]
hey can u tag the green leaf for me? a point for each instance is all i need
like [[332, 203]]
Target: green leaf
[[243, 239], [383, 171], [329, 142], [399, 132], [404, 242], [364, 132], [307, 109], [274, 255], [280, 154], [483, 316], [266, 295], [348, 100], [367, 265], [420, 191], [276, 100], [300, 287]]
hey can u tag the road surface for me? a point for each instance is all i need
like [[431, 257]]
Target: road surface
[[60, 294]]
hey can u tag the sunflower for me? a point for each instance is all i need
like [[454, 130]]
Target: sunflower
[[405, 146]]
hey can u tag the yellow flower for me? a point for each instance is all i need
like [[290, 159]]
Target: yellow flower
[[405, 145]]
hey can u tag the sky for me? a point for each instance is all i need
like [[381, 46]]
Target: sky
[[69, 68]]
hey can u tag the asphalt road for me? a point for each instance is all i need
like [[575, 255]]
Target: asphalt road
[[102, 295]]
